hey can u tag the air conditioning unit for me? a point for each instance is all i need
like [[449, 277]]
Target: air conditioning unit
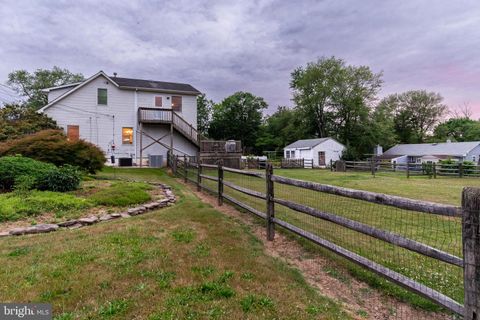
[[230, 146]]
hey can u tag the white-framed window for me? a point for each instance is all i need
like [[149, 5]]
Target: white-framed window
[[287, 154], [473, 158], [102, 96], [292, 154]]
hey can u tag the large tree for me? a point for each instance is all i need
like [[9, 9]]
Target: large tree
[[336, 99], [204, 113], [414, 114], [17, 120], [457, 129], [29, 85], [238, 117]]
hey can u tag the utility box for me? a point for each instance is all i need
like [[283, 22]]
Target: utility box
[[155, 161], [125, 162]]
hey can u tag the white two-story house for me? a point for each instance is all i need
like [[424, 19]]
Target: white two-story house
[[128, 118]]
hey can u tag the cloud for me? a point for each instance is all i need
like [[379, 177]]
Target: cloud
[[224, 46]]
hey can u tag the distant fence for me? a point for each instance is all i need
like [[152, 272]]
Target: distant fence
[[429, 249], [411, 169], [296, 163]]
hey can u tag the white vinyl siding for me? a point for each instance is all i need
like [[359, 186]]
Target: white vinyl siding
[[102, 124]]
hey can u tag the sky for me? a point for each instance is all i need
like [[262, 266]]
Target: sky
[[221, 47]]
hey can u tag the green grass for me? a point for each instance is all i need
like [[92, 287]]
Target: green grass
[[121, 194], [187, 261], [441, 190], [116, 194], [14, 206], [437, 231]]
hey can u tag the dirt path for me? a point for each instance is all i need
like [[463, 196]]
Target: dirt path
[[362, 301]]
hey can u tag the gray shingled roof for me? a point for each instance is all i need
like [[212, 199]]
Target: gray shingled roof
[[422, 149], [306, 143], [154, 85]]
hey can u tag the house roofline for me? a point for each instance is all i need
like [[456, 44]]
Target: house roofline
[[192, 93], [326, 139], [46, 90]]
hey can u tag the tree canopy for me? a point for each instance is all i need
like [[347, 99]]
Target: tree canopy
[[29, 85], [238, 117], [17, 120]]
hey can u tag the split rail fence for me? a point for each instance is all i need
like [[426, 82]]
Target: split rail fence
[[429, 249], [414, 169]]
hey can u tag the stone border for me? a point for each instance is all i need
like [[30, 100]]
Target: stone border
[[169, 200]]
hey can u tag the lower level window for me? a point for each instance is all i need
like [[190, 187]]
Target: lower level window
[[287, 155], [73, 133], [127, 135]]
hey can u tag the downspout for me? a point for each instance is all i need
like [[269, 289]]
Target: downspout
[[135, 115]]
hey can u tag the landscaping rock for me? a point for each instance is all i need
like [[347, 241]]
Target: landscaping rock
[[125, 215], [4, 234], [116, 215], [75, 226], [106, 217], [152, 205], [17, 231], [67, 223], [133, 211], [88, 221], [41, 228]]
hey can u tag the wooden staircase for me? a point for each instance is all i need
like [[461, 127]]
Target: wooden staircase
[[168, 116]]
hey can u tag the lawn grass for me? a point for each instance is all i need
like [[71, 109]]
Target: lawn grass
[[442, 190], [121, 194], [187, 261], [14, 206], [437, 231]]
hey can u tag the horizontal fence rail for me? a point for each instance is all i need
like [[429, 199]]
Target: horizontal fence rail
[[253, 191], [431, 169], [379, 198]]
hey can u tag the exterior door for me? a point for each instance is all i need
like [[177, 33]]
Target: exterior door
[[321, 158]]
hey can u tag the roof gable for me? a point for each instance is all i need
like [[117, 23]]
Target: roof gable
[[81, 85]]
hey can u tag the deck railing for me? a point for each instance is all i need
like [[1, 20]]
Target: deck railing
[[163, 115]]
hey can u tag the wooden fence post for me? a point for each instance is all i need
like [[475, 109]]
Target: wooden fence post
[[394, 166], [331, 165], [460, 170], [270, 203], [471, 251], [372, 167], [408, 170], [434, 169], [175, 163], [220, 183], [185, 168], [199, 175]]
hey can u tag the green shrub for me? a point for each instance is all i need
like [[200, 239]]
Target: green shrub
[[14, 169], [66, 178], [53, 146]]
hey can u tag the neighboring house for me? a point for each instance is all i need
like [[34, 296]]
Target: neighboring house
[[321, 151], [128, 118], [432, 152]]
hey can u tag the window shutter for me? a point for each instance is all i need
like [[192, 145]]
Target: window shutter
[[73, 133], [158, 101], [177, 103]]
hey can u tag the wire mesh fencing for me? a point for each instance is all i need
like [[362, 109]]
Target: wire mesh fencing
[[412, 250]]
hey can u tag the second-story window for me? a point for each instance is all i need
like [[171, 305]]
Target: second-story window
[[102, 97], [158, 101], [177, 103]]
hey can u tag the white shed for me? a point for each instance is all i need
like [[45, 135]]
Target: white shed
[[321, 150]]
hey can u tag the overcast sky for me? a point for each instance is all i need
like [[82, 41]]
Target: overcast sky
[[221, 47]]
